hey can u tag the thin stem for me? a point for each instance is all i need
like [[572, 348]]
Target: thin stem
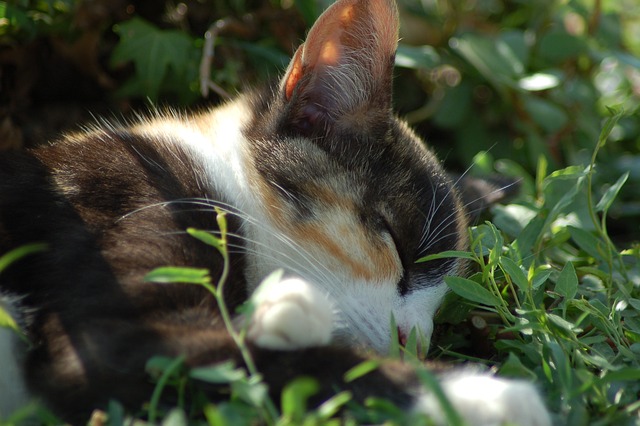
[[218, 293]]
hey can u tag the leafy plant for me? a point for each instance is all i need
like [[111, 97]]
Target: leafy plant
[[248, 389], [163, 59], [27, 19], [564, 296]]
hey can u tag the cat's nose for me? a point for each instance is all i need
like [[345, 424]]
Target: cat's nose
[[402, 337]]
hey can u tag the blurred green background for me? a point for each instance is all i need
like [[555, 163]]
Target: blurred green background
[[514, 80]]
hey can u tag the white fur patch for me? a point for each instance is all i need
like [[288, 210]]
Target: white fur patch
[[290, 314], [483, 400]]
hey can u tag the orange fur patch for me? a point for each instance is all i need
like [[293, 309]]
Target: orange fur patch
[[375, 262], [380, 264]]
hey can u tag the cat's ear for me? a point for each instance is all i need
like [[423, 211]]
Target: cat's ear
[[343, 70]]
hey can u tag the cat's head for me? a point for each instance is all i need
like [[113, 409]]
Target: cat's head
[[352, 196]]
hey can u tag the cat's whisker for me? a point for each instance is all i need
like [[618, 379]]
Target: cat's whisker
[[428, 216], [445, 222], [243, 249], [320, 270]]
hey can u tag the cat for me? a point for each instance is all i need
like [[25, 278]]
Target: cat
[[318, 178]]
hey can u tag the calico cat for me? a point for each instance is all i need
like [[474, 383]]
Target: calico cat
[[318, 177]]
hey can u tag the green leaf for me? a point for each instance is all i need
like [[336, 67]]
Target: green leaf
[[625, 374], [252, 391], [230, 413], [116, 414], [587, 241], [558, 46], [611, 193], [263, 56], [214, 415], [565, 325], [207, 238], [15, 254], [177, 274], [446, 255], [494, 59], [225, 372], [7, 321], [513, 367], [411, 347], [176, 417], [635, 303], [221, 219], [513, 270], [539, 81], [152, 51], [417, 57], [548, 115], [384, 407], [332, 406], [158, 365], [394, 342], [295, 396], [360, 370], [541, 275], [567, 284], [525, 242], [607, 128], [472, 291], [309, 10], [453, 109]]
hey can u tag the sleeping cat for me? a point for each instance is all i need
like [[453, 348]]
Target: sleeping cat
[[318, 178]]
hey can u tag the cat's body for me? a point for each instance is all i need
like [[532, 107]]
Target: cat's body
[[318, 178]]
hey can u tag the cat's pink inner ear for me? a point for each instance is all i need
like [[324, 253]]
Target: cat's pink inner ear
[[294, 74], [350, 26], [350, 32]]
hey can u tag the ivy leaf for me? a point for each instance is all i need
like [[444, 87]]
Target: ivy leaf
[[153, 51]]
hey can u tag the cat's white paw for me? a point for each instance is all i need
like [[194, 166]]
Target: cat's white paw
[[484, 400], [290, 314]]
